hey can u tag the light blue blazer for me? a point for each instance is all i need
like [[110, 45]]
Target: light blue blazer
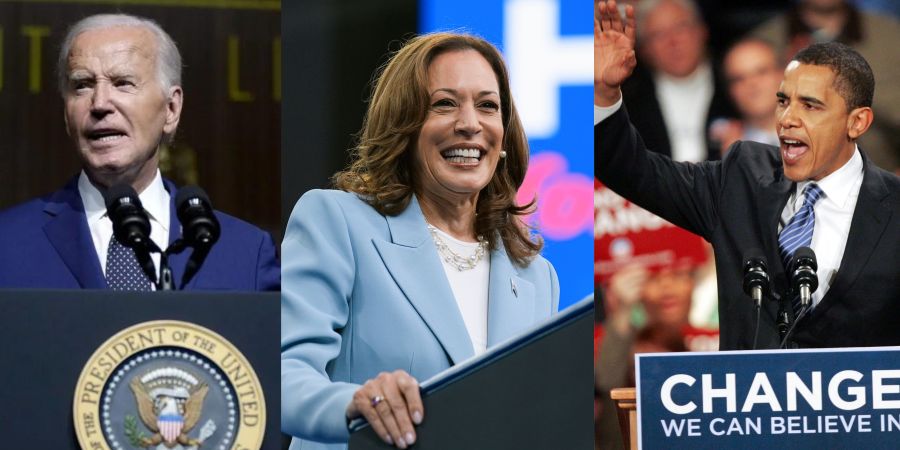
[[364, 293]]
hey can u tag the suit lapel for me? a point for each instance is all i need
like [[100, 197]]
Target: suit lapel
[[773, 195], [510, 299], [413, 262], [177, 262], [870, 220], [70, 235]]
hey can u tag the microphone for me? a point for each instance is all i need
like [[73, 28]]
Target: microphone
[[756, 277], [130, 223], [803, 274], [200, 228]]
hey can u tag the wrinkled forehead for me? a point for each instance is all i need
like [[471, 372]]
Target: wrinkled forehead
[[112, 46]]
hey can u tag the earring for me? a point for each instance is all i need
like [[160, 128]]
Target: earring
[[503, 153]]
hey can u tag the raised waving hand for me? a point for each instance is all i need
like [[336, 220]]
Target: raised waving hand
[[614, 57]]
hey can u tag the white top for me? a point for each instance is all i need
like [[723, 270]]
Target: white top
[[834, 212], [470, 288], [155, 199], [684, 103]]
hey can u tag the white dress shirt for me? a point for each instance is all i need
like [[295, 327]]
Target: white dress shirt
[[602, 113], [834, 212], [155, 199], [684, 103], [470, 287]]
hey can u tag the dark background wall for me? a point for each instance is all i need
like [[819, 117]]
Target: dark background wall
[[331, 50], [228, 140]]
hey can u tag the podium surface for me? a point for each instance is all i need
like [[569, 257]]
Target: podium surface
[[533, 391]]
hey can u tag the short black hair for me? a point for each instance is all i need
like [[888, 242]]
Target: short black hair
[[853, 76]]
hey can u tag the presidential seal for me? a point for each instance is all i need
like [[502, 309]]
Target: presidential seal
[[168, 385]]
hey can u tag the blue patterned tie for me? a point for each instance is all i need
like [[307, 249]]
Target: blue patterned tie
[[799, 230], [123, 273]]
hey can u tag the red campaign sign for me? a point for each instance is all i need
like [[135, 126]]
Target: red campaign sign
[[625, 233]]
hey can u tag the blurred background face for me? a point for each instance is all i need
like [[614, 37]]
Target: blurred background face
[[667, 297], [751, 70], [458, 147], [673, 40], [822, 5]]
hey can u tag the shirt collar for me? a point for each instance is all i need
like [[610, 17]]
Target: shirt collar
[[700, 77], [838, 185], [154, 198]]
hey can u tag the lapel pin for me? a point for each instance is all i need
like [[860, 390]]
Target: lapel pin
[[514, 289]]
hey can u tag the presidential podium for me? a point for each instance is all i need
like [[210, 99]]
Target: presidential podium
[[51, 338], [533, 391]]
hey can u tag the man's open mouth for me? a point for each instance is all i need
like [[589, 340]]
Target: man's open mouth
[[105, 135], [792, 149]]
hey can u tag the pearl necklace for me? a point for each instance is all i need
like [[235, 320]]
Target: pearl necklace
[[461, 263]]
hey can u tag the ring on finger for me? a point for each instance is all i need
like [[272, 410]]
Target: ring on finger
[[376, 400]]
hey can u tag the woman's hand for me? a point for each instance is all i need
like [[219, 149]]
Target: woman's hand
[[614, 57], [392, 404]]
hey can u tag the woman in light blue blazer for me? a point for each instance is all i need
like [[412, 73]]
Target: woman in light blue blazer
[[420, 260]]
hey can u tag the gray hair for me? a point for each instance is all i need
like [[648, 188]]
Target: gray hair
[[645, 7], [168, 59]]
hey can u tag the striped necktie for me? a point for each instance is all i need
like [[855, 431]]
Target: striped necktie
[[799, 230], [123, 273]]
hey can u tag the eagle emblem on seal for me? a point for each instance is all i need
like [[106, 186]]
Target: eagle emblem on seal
[[170, 404]]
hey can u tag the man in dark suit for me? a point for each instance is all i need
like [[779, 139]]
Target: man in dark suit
[[120, 81], [817, 189]]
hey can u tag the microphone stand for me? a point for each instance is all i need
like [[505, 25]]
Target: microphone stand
[[784, 320], [165, 280], [785, 339], [193, 264]]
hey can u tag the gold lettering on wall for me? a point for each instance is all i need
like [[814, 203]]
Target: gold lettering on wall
[[235, 93], [35, 35]]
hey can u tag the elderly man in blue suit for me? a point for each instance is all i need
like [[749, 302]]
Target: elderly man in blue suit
[[120, 79]]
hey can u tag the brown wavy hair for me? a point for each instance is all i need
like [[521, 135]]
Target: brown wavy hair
[[382, 171]]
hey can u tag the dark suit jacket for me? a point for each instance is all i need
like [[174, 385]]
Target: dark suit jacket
[[736, 204], [640, 97], [46, 243]]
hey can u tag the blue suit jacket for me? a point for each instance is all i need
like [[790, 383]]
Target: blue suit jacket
[[366, 293], [46, 243]]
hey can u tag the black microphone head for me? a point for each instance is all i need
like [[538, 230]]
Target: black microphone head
[[188, 192], [806, 256], [803, 269], [116, 193], [200, 227], [130, 223], [755, 271], [755, 257]]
